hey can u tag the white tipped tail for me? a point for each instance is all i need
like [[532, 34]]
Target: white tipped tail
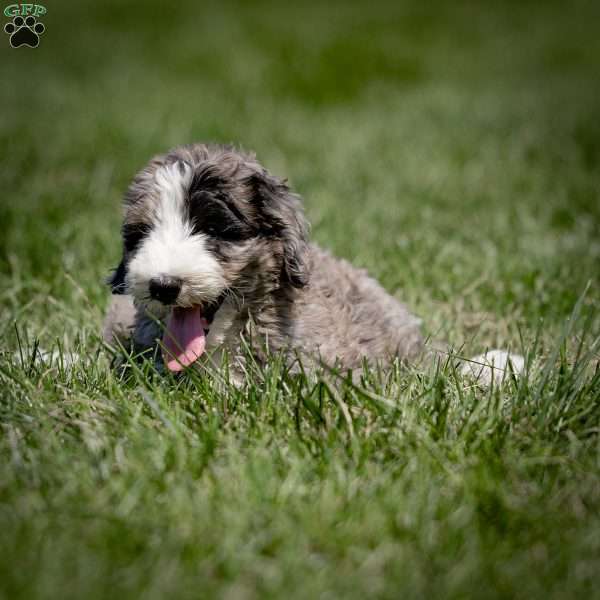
[[493, 366]]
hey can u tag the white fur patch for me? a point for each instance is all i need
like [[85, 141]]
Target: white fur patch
[[172, 249], [494, 365]]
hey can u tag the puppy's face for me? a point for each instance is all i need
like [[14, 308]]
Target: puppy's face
[[200, 227]]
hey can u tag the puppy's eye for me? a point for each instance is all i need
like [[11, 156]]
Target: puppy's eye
[[212, 216], [133, 234]]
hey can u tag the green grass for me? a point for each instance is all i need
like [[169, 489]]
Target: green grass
[[454, 151]]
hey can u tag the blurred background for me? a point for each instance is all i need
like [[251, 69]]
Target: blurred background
[[450, 148]]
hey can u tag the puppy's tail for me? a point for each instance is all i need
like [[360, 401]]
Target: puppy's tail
[[494, 366]]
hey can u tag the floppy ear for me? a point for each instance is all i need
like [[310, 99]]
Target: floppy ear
[[117, 279], [285, 217]]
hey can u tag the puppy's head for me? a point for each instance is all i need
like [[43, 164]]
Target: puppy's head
[[202, 222]]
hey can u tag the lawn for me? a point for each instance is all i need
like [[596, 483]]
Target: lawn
[[453, 149]]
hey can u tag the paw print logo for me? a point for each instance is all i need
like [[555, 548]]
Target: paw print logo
[[24, 32]]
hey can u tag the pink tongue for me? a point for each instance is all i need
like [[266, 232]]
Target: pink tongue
[[184, 338]]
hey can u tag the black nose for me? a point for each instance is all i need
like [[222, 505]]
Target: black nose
[[165, 289]]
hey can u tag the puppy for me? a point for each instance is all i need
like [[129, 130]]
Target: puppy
[[216, 258]]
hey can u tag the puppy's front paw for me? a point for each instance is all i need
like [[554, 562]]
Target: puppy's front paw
[[120, 320]]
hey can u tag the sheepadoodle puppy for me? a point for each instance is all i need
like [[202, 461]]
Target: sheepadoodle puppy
[[216, 258]]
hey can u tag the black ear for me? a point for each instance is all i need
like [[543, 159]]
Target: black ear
[[285, 218], [117, 279]]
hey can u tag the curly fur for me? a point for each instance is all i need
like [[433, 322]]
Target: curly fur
[[275, 287]]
